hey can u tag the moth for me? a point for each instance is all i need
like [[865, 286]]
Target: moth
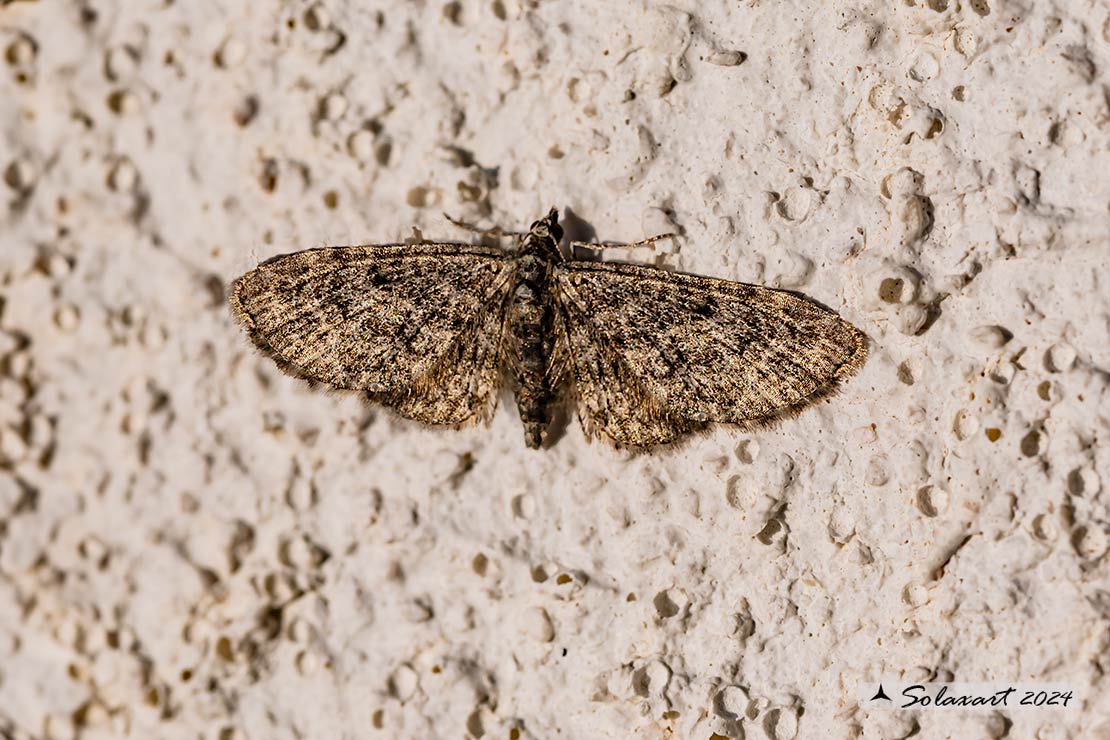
[[434, 330]]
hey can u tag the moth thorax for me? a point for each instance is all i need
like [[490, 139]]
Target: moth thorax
[[533, 268]]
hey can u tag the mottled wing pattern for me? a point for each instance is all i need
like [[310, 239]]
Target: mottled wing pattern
[[461, 385], [611, 398], [419, 327], [654, 354]]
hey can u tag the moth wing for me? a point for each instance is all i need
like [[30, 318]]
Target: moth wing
[[419, 327], [462, 384], [665, 352], [610, 398]]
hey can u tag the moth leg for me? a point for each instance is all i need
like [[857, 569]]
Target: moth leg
[[417, 237], [495, 232], [619, 245]]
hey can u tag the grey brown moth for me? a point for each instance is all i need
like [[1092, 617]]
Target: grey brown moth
[[433, 331]]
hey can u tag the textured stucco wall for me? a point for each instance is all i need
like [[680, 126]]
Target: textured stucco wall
[[193, 545]]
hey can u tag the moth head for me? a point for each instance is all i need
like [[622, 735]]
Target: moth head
[[548, 225]]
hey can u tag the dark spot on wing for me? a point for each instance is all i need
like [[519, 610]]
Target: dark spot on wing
[[707, 307]]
